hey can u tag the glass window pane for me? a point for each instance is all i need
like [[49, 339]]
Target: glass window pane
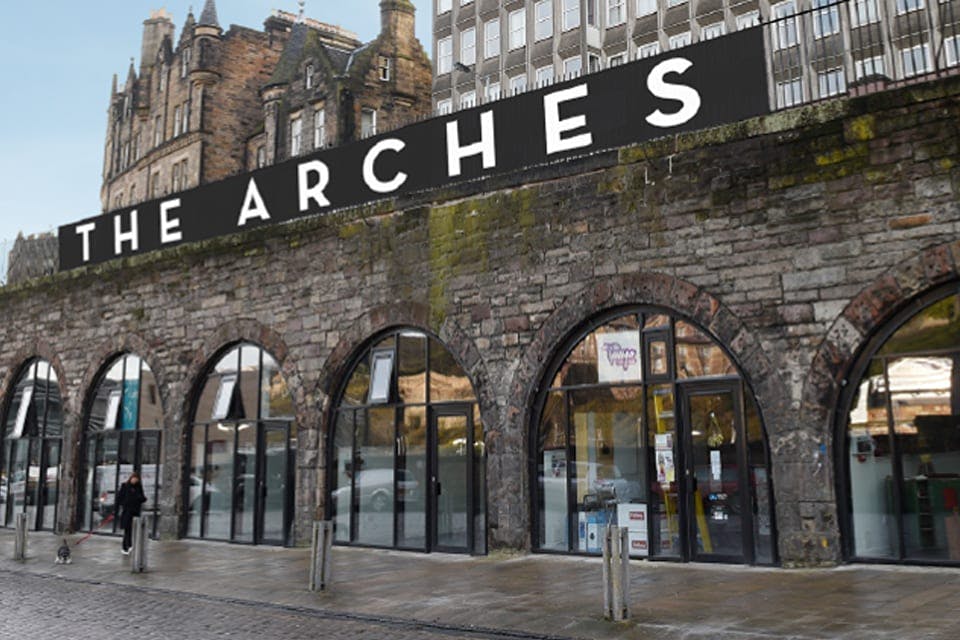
[[357, 389], [759, 484], [610, 353], [936, 327], [665, 497], [381, 377], [448, 380], [51, 484], [276, 401], [374, 482], [195, 497], [219, 480], [608, 458], [87, 500], [412, 480], [412, 367], [131, 395], [106, 476], [217, 394], [554, 512], [479, 484], [341, 493], [249, 384], [927, 429], [32, 496], [698, 356], [149, 457], [871, 469], [244, 496], [106, 399], [151, 413]]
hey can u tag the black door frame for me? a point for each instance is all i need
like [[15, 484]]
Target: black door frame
[[464, 410], [688, 522], [261, 483]]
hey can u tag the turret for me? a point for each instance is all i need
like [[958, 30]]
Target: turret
[[208, 24], [397, 20]]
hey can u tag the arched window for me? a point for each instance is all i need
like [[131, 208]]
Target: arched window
[[645, 422], [242, 450], [31, 446], [406, 451], [902, 439], [122, 434]]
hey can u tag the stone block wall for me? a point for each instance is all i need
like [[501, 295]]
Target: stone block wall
[[789, 238]]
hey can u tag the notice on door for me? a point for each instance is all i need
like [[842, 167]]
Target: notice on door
[[666, 472], [634, 518]]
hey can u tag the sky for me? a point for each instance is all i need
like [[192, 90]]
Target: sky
[[57, 60]]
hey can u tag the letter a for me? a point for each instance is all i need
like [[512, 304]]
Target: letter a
[[253, 206]]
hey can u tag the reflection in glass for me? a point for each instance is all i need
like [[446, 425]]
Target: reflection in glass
[[124, 424], [341, 495], [554, 513], [610, 441], [374, 482], [412, 479], [905, 415], [31, 438], [385, 452], [698, 356], [665, 496], [241, 468]]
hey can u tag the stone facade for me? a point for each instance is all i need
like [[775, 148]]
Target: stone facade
[[218, 103], [789, 238], [33, 256]]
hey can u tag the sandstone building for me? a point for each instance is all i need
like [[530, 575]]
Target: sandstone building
[[215, 103]]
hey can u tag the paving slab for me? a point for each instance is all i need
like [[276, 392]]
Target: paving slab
[[533, 595]]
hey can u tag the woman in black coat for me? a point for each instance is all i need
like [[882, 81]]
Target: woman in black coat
[[130, 500]]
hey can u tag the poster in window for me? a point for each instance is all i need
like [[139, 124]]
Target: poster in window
[[666, 472], [618, 356], [131, 404]]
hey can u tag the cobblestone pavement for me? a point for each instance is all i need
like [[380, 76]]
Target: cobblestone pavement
[[391, 594], [42, 607]]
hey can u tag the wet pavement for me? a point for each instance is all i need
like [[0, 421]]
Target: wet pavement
[[516, 596]]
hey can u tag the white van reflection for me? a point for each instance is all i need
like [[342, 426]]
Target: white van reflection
[[375, 487]]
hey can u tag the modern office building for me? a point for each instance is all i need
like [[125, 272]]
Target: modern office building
[[486, 49]]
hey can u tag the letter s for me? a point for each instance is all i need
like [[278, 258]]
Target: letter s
[[688, 96]]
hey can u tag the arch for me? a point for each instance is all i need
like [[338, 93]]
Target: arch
[[41, 449], [394, 406], [671, 374], [243, 489], [132, 425], [594, 298], [850, 335]]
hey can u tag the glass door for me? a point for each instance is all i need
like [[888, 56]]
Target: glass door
[[274, 470], [718, 511], [452, 486]]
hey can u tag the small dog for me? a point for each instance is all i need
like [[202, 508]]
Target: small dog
[[63, 554]]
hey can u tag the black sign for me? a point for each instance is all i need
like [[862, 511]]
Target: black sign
[[703, 85]]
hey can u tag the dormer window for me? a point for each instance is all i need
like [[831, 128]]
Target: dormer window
[[308, 77], [384, 68]]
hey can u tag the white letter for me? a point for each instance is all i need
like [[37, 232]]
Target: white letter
[[119, 237], [486, 146], [557, 127], [681, 93], [253, 206], [390, 144], [315, 192], [85, 230], [169, 229]]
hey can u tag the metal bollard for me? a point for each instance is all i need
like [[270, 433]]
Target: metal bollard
[[138, 551], [320, 555], [616, 573], [20, 539]]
